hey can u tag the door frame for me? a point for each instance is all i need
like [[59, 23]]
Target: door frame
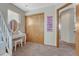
[[58, 32]]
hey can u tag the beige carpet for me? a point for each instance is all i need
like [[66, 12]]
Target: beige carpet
[[33, 49]]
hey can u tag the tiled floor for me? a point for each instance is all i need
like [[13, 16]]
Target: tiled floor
[[33, 49]]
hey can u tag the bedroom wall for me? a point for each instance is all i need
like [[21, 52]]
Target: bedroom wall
[[49, 37], [4, 9]]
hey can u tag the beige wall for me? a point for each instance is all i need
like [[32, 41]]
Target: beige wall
[[49, 37]]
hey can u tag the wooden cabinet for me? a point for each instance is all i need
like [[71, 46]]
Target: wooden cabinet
[[35, 28]]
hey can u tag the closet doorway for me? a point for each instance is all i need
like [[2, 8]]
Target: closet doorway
[[58, 22], [34, 27]]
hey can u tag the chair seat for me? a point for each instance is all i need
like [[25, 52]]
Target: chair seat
[[17, 40]]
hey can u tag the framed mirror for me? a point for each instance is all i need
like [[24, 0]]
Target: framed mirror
[[13, 25], [13, 21]]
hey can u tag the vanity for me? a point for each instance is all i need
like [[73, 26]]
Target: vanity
[[18, 37]]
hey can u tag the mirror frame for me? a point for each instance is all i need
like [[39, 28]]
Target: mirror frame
[[12, 25]]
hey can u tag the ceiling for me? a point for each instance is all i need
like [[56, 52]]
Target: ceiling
[[32, 6]]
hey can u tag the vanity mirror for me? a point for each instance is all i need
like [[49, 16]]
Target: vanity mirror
[[14, 26]]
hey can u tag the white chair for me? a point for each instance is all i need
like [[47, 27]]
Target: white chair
[[18, 39]]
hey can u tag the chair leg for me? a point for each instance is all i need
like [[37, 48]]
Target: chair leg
[[21, 43], [15, 46], [25, 40]]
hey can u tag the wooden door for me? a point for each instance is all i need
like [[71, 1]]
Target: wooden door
[[35, 28], [77, 29]]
